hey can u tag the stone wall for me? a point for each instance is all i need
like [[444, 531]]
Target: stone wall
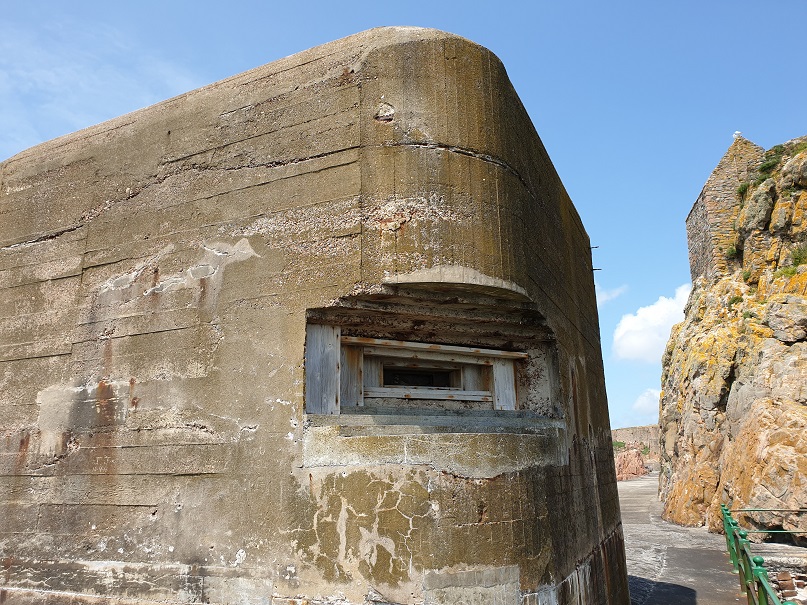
[[159, 277], [699, 241], [711, 235], [646, 435]]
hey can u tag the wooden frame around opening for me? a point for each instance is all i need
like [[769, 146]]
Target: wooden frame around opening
[[345, 371]]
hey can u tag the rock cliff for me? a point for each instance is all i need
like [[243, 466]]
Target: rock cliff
[[630, 464], [733, 409]]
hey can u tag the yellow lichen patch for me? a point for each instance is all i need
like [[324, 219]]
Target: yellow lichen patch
[[772, 253], [756, 331], [798, 222], [763, 461], [797, 284]]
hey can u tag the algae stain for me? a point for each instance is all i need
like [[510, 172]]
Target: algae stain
[[365, 524]]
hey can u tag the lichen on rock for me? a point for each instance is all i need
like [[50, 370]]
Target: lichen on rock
[[734, 382]]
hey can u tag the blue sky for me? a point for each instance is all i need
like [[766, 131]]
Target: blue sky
[[635, 101]]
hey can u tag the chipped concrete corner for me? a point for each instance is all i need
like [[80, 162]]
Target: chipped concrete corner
[[323, 332]]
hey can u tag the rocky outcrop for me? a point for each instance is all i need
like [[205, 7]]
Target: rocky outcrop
[[636, 451], [734, 401], [630, 464]]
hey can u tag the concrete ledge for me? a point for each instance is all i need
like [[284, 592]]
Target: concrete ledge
[[475, 455], [460, 278]]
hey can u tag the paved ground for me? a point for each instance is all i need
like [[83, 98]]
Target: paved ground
[[673, 565], [669, 564]]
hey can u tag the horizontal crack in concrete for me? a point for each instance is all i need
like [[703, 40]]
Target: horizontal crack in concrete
[[90, 215], [43, 238], [467, 152], [85, 218]]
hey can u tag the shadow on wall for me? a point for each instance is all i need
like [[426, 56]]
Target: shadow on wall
[[649, 592]]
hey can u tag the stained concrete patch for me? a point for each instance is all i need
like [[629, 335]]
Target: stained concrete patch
[[484, 586]]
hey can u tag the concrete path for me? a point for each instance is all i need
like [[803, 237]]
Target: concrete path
[[669, 564]]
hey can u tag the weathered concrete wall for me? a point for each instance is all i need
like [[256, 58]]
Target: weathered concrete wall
[[157, 276]]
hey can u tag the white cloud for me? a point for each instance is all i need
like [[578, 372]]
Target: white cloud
[[647, 402], [644, 410], [643, 335], [603, 295]]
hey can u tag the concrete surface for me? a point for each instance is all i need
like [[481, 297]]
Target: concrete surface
[[673, 565], [161, 440], [669, 564]]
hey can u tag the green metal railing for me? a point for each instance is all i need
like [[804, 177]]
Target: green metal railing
[[754, 580]]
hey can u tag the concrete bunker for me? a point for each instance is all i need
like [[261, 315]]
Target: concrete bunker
[[322, 332]]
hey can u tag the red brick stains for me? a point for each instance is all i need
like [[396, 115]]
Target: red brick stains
[[607, 570], [105, 404], [67, 445], [22, 451], [105, 462], [202, 291], [7, 562], [133, 401]]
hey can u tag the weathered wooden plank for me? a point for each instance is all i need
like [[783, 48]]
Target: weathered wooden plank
[[427, 355], [350, 386], [322, 369], [427, 393], [504, 385], [373, 371], [425, 346], [477, 378], [404, 361]]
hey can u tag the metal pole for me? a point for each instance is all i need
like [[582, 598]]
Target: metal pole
[[760, 579], [746, 573]]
